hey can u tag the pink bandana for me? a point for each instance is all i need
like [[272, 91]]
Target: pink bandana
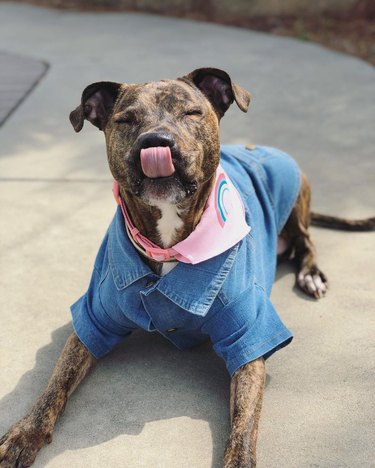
[[222, 225]]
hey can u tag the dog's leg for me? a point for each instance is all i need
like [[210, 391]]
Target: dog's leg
[[21, 443], [246, 395], [296, 234]]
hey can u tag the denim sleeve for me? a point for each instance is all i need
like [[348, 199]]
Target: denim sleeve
[[92, 324], [246, 329]]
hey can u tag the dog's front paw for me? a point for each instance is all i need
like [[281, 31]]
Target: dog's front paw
[[20, 445], [313, 282]]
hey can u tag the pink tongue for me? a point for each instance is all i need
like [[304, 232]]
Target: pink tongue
[[157, 161]]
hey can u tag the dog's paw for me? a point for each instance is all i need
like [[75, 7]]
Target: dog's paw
[[313, 282], [20, 445]]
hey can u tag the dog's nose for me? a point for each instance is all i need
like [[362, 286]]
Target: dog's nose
[[150, 140]]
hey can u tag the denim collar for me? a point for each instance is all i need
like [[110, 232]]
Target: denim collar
[[205, 278]]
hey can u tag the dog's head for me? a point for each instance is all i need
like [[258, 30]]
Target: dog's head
[[162, 137]]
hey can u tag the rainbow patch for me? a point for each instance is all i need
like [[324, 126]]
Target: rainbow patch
[[221, 192]]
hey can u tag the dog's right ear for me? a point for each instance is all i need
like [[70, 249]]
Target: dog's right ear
[[96, 105], [219, 89]]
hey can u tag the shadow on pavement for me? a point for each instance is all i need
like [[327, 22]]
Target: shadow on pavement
[[146, 379]]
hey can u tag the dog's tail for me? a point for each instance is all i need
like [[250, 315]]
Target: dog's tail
[[333, 222]]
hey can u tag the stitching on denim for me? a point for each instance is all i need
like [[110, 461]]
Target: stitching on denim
[[267, 341], [97, 343], [223, 298], [198, 306], [253, 353], [124, 280]]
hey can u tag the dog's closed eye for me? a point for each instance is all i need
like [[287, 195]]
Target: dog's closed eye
[[127, 117], [193, 112]]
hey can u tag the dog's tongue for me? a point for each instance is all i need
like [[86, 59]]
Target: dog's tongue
[[157, 161]]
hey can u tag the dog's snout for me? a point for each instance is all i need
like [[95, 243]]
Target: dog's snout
[[149, 140]]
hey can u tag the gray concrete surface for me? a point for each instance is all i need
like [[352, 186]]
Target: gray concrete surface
[[18, 76], [148, 404]]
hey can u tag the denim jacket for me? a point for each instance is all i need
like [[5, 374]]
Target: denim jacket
[[225, 298]]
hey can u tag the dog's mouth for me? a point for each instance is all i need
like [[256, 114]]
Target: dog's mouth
[[161, 176]]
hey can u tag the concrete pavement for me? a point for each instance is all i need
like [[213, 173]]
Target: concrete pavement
[[18, 76], [148, 404]]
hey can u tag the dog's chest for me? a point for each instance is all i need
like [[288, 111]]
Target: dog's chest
[[168, 225]]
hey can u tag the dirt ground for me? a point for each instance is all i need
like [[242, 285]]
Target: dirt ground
[[352, 33], [354, 36]]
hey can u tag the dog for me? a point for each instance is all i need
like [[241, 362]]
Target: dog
[[188, 211]]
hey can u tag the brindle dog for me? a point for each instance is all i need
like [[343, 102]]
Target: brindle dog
[[183, 114]]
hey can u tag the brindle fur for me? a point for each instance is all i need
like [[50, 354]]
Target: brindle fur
[[189, 109], [297, 237], [333, 222], [246, 396]]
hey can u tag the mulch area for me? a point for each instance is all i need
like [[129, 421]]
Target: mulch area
[[355, 35]]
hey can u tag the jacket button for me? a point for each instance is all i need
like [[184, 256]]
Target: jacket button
[[250, 147], [171, 330], [149, 284]]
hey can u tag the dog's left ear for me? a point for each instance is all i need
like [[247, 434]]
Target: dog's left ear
[[219, 89], [97, 103]]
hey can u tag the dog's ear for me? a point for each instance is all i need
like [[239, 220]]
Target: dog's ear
[[96, 105], [219, 89]]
